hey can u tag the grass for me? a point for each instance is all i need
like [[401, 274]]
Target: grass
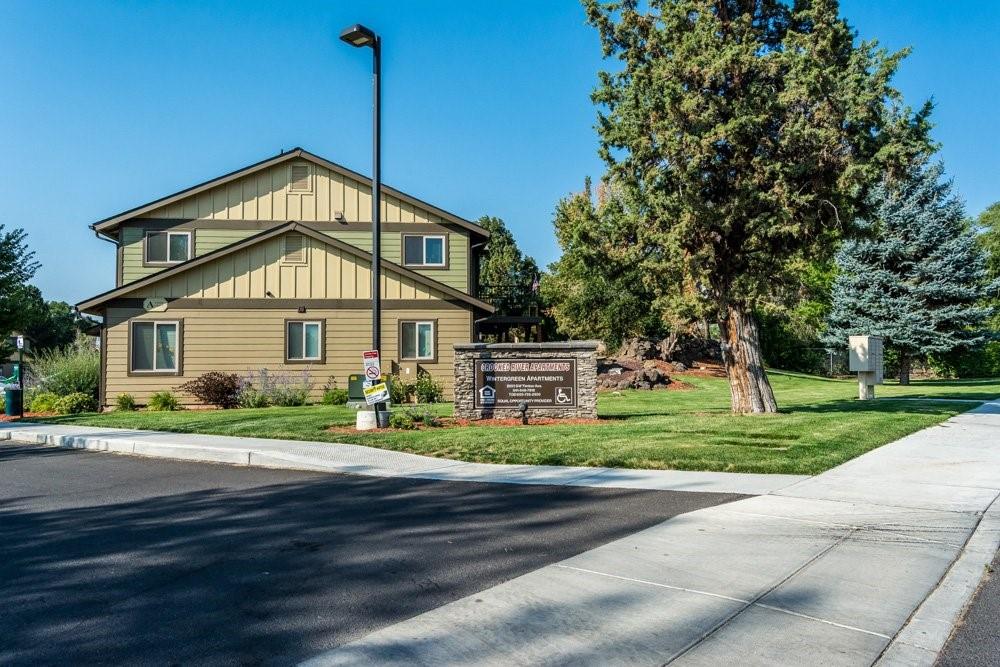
[[820, 426]]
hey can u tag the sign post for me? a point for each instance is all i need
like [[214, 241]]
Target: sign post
[[376, 391]]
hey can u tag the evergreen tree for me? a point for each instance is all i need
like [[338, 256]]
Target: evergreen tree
[[744, 132], [918, 278], [507, 276], [596, 289]]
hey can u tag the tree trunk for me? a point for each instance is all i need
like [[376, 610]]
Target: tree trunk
[[748, 385], [905, 362]]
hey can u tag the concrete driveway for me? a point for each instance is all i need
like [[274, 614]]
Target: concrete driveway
[[113, 559]]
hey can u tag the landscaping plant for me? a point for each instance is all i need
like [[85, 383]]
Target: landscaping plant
[[214, 388], [426, 389], [75, 403], [74, 368], [125, 403], [163, 401], [42, 401], [332, 395]]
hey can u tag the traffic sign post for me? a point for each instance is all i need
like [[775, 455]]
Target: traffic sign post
[[376, 391]]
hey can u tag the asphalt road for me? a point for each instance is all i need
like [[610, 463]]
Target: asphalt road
[[115, 559], [976, 641]]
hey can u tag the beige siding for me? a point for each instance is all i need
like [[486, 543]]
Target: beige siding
[[253, 272], [207, 240], [266, 195], [236, 341]]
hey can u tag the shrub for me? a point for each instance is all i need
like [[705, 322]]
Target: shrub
[[982, 361], [75, 403], [72, 369], [43, 401], [399, 390], [214, 388], [412, 418], [125, 403], [427, 389], [263, 388], [163, 401], [402, 419], [332, 395]]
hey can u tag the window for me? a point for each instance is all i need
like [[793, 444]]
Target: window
[[423, 250], [295, 249], [416, 340], [303, 341], [155, 347], [168, 247], [299, 178]]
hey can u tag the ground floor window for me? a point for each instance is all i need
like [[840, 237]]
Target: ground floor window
[[155, 347], [303, 341], [417, 340]]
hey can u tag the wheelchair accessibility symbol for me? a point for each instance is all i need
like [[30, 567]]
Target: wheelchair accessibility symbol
[[564, 395]]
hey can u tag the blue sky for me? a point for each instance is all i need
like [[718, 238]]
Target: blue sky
[[109, 105]]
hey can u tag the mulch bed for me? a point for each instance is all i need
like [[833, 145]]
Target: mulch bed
[[5, 418]]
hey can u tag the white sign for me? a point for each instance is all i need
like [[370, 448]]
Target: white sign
[[377, 393], [20, 342], [373, 365]]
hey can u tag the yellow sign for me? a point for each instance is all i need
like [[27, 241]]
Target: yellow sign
[[377, 393]]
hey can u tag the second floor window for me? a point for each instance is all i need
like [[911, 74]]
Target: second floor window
[[423, 250], [168, 247]]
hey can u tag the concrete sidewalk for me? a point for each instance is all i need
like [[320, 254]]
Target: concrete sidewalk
[[827, 571], [360, 460]]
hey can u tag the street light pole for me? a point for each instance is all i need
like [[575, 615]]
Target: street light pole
[[360, 36]]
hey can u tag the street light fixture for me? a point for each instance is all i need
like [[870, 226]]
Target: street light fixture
[[359, 36]]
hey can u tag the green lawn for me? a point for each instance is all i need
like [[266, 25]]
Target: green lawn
[[820, 426]]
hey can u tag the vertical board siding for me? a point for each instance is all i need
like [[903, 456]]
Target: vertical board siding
[[265, 196], [258, 272], [239, 341]]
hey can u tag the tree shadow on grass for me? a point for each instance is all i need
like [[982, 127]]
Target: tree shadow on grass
[[217, 564]]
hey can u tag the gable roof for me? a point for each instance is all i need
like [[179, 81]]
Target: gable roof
[[364, 255], [115, 220]]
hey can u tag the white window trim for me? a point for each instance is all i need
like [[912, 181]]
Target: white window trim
[[444, 250], [416, 340], [319, 356], [145, 248], [156, 324]]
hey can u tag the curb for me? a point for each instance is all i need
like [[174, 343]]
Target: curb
[[918, 643], [374, 462]]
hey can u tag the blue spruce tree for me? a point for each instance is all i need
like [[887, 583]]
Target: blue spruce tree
[[915, 275]]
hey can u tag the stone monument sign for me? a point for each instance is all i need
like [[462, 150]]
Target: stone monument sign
[[551, 379]]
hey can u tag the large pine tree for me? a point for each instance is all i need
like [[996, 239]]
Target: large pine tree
[[744, 133], [917, 276]]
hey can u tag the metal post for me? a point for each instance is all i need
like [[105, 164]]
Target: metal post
[[20, 380], [377, 205]]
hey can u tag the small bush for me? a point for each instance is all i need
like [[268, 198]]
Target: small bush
[[402, 419], [125, 403], [163, 401], [43, 401], [400, 391], [412, 418], [335, 396], [259, 389], [219, 389], [427, 389], [75, 403]]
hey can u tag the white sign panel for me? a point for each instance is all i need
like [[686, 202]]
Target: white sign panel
[[20, 342], [377, 393], [373, 365]]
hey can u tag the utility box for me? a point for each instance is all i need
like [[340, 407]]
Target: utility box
[[866, 359]]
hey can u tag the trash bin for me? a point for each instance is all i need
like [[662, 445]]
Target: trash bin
[[12, 402]]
